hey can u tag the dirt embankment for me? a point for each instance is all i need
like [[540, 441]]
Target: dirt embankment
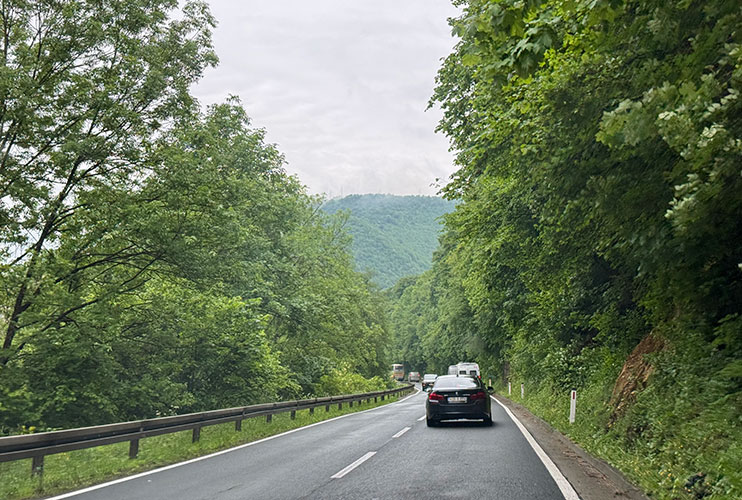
[[635, 374]]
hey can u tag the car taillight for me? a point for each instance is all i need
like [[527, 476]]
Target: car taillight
[[478, 395], [434, 396]]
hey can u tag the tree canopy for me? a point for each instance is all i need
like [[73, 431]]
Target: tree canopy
[[598, 153], [155, 258]]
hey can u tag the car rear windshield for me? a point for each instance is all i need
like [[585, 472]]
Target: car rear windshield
[[456, 383]]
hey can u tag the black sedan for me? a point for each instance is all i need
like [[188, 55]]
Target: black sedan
[[456, 397]]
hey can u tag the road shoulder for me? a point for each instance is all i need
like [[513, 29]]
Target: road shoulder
[[592, 478]]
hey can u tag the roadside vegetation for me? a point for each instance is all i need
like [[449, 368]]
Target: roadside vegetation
[[155, 257], [596, 242], [78, 469]]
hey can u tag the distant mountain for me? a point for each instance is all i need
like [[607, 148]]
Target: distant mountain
[[393, 236]]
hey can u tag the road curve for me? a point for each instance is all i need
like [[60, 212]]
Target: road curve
[[385, 452]]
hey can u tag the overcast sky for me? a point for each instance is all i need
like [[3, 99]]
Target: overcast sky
[[341, 87]]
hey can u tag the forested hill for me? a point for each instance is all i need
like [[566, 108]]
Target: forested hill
[[393, 236]]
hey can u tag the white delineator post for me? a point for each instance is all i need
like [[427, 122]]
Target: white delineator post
[[572, 407], [522, 391], [510, 389]]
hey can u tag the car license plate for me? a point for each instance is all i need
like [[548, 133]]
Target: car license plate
[[457, 399]]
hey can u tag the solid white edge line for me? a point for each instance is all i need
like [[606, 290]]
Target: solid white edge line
[[353, 465], [401, 432], [421, 418], [222, 452], [564, 486]]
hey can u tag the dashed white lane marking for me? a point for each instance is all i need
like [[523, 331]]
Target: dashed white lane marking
[[421, 418], [567, 490], [401, 432], [353, 465]]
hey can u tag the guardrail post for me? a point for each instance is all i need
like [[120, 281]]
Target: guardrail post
[[382, 397], [133, 448], [350, 403], [196, 434], [37, 465], [311, 410], [293, 414], [375, 400], [238, 425], [340, 406], [327, 407], [268, 418]]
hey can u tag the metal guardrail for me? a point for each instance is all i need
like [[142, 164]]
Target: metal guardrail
[[37, 446]]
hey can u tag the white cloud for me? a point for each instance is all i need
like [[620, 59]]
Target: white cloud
[[340, 86]]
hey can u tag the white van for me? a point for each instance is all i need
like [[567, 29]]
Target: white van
[[453, 369], [468, 369]]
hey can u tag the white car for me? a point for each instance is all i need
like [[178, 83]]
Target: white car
[[429, 380], [468, 369]]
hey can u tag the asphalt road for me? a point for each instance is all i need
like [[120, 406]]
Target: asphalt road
[[386, 452]]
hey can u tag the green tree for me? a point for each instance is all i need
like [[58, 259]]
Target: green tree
[[85, 91], [598, 153], [156, 258]]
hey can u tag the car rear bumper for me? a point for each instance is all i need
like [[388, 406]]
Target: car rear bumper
[[455, 411]]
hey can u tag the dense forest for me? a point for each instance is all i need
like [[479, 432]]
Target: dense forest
[[155, 258], [597, 241], [393, 236]]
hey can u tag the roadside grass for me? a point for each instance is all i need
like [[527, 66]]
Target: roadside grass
[[663, 456], [77, 469]]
